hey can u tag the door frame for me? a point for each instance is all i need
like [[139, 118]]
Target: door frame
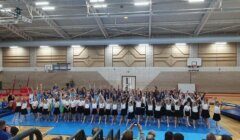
[[128, 76]]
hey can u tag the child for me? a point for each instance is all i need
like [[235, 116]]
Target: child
[[157, 112], [35, 107], [45, 111], [149, 111], [107, 110], [40, 107], [56, 111], [168, 111], [130, 112], [216, 115], [94, 109], [81, 108], [73, 108], [123, 111], [17, 109], [66, 110], [194, 114], [24, 110], [205, 112], [114, 111], [187, 113], [177, 113], [138, 109], [101, 110], [86, 110]]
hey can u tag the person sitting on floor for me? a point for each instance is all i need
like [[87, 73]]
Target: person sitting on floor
[[4, 135]]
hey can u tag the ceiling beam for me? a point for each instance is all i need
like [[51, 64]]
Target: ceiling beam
[[16, 31], [98, 19], [51, 23], [212, 6], [123, 41], [150, 20]]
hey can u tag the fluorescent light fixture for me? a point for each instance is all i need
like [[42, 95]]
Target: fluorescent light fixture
[[180, 44], [142, 3], [42, 3], [6, 10], [143, 44], [94, 1], [221, 43], [195, 1], [76, 46], [1, 6], [125, 17], [13, 47], [113, 45], [48, 8], [100, 5], [44, 46]]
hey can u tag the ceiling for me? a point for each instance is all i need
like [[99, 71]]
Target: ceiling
[[72, 19]]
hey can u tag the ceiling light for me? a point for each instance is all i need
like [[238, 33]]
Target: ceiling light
[[42, 3], [143, 44], [1, 6], [195, 1], [6, 10], [126, 17], [141, 3], [180, 44], [100, 5], [13, 47], [220, 43], [48, 8], [94, 1], [44, 46], [113, 45], [76, 46]]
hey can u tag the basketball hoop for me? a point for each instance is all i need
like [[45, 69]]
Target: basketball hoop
[[193, 68]]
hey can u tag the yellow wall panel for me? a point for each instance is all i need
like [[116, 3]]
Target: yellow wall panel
[[16, 57]]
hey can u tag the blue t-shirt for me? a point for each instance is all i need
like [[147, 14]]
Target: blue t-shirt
[[4, 135]]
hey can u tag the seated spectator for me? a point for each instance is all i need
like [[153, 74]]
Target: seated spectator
[[168, 135], [211, 136], [178, 136], [14, 130], [128, 134], [226, 137], [151, 135], [3, 134]]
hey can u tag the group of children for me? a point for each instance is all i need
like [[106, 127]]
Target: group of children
[[106, 105]]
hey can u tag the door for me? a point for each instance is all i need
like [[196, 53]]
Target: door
[[128, 82]]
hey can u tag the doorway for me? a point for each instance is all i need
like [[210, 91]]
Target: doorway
[[128, 82]]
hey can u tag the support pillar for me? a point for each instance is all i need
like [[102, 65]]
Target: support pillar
[[108, 56], [149, 56], [193, 51], [33, 57]]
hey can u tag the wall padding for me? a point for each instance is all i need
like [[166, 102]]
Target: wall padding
[[88, 56], [16, 57]]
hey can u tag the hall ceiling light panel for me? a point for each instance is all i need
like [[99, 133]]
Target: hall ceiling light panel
[[48, 8], [195, 1], [6, 10], [100, 5], [42, 3], [1, 6], [44, 46], [220, 43], [180, 44], [142, 3], [76, 46], [13, 47], [94, 1]]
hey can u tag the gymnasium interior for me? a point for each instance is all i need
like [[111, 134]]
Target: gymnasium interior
[[112, 49]]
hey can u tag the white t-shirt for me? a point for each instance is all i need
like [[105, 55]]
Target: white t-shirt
[[87, 106], [45, 106], [205, 106], [217, 109], [101, 105], [195, 109], [56, 104], [73, 103], [24, 106], [94, 105], [114, 107], [187, 108], [138, 104], [108, 106], [35, 103], [177, 107], [150, 107], [168, 107], [123, 105], [19, 104], [130, 108], [157, 107]]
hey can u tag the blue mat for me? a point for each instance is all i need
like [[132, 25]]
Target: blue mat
[[232, 113], [70, 128]]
